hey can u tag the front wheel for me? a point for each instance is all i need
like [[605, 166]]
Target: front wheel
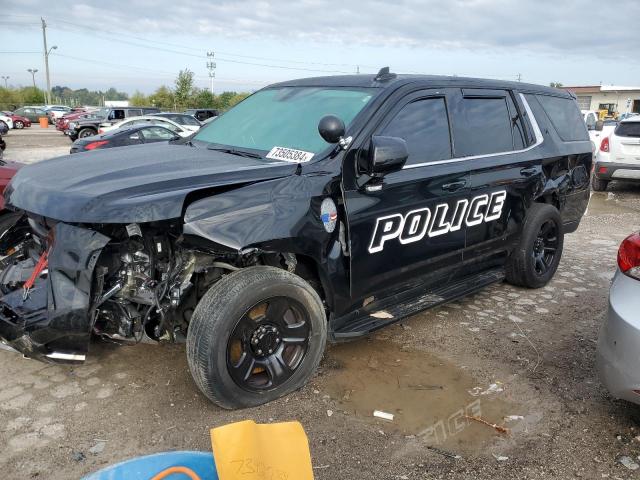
[[87, 132], [256, 335], [18, 124], [535, 260]]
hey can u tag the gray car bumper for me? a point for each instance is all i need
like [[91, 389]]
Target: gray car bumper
[[618, 357]]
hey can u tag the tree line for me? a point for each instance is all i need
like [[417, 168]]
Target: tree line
[[184, 94]]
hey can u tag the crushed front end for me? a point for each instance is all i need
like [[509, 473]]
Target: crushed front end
[[46, 284]]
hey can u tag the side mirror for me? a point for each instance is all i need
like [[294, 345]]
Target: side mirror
[[599, 125], [386, 155], [331, 128]]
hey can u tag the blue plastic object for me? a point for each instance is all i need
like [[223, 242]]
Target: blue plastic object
[[144, 468]]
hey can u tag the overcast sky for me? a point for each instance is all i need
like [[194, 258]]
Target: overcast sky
[[141, 44]]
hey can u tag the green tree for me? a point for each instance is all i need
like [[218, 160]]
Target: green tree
[[138, 99], [202, 99], [555, 84], [184, 87], [237, 98], [163, 98]]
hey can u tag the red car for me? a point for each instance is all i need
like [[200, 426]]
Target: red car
[[19, 121], [7, 171], [62, 123]]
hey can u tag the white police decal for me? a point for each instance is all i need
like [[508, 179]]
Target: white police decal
[[415, 224]]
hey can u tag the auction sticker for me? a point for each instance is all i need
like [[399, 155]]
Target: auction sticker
[[289, 155]]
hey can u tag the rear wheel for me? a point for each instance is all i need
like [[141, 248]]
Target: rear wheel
[[256, 335], [18, 124], [535, 260], [86, 132], [598, 185]]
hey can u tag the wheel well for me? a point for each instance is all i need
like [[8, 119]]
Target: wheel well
[[303, 266], [550, 199]]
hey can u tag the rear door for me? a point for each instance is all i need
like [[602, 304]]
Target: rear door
[[490, 133], [411, 229]]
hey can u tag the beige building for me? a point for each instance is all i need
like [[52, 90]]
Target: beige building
[[615, 99]]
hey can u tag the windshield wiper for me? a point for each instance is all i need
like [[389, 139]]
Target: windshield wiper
[[233, 151]]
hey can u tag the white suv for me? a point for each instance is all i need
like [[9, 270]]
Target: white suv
[[618, 157]]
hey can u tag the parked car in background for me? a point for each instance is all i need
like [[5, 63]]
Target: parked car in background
[[57, 111], [186, 121], [32, 113], [618, 156], [62, 123], [105, 116], [121, 137], [148, 120], [624, 116], [6, 121], [618, 361], [19, 122], [202, 114]]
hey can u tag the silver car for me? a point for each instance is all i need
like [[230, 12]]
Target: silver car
[[618, 357]]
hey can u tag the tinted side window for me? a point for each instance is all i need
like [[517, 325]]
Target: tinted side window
[[628, 129], [134, 113], [482, 126], [424, 125], [565, 117], [517, 126]]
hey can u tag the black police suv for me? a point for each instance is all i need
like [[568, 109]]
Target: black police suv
[[322, 208]]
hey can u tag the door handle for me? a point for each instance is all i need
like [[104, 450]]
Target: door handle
[[454, 186], [529, 171]]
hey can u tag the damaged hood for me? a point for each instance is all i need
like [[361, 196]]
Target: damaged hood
[[141, 183]]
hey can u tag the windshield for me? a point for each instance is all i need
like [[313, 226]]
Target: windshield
[[284, 117]]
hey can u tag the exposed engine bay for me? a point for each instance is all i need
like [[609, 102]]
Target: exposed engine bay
[[141, 285]]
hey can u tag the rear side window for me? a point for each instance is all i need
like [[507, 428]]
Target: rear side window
[[628, 129], [482, 126], [134, 113], [565, 117], [424, 125]]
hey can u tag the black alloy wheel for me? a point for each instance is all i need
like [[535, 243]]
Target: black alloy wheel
[[545, 247], [268, 344]]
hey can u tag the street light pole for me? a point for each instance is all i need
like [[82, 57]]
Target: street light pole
[[33, 71], [5, 78], [46, 60]]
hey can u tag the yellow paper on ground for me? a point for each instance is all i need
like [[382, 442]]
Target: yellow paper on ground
[[250, 451]]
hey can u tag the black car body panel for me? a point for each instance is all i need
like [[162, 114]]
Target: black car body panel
[[142, 183], [54, 315], [238, 209]]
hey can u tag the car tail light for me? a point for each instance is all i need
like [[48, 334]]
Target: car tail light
[[604, 145], [629, 256], [94, 145], [602, 170]]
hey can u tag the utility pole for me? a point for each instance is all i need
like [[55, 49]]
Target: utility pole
[[211, 66], [46, 60], [358, 69], [519, 77], [5, 78], [33, 71]]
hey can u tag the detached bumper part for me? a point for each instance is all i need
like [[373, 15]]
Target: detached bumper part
[[53, 323]]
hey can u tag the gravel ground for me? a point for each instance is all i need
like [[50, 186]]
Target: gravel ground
[[519, 358]]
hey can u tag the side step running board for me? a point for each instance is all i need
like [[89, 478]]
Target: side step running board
[[390, 310]]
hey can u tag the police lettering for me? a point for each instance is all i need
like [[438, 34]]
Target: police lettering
[[416, 224]]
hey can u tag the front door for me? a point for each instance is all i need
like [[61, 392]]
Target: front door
[[411, 231]]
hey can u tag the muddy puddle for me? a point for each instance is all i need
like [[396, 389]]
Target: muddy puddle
[[428, 397], [607, 203]]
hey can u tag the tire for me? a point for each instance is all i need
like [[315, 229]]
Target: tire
[[535, 260], [226, 337], [87, 132], [598, 185], [18, 124]]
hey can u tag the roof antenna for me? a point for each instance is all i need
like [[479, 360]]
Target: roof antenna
[[384, 75]]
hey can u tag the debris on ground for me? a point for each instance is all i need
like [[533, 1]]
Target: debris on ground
[[78, 456], [513, 418], [500, 458], [629, 463], [329, 413], [444, 453], [488, 424], [383, 415], [97, 448], [493, 388]]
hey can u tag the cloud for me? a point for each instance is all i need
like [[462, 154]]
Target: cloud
[[541, 26]]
